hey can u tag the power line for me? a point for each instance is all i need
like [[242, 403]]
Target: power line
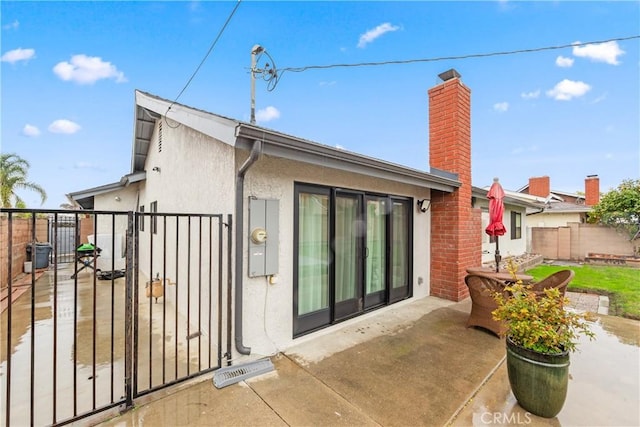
[[448, 58], [213, 44]]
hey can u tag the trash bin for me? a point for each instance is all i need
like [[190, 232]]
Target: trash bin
[[42, 255]]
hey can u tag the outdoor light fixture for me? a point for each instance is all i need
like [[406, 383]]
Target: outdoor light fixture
[[156, 169], [424, 205]]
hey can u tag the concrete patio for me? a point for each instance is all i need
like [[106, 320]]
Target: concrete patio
[[411, 364]]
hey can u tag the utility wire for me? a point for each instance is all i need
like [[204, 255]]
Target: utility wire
[[213, 44], [445, 58]]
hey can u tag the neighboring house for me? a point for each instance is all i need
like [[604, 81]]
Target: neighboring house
[[321, 234], [561, 208], [516, 240]]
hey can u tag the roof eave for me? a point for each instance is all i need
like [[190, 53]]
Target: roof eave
[[284, 146]]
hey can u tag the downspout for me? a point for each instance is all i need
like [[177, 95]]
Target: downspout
[[253, 157]]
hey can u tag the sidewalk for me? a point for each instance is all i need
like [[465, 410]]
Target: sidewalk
[[413, 364]]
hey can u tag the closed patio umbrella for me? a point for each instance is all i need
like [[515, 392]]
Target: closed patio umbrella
[[496, 212]]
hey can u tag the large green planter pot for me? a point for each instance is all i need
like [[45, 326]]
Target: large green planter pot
[[539, 381]]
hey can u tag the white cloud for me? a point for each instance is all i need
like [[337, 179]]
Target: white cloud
[[13, 26], [567, 90], [600, 98], [505, 5], [267, 114], [564, 62], [64, 126], [530, 95], [600, 52], [373, 34], [85, 69], [501, 106], [30, 130], [19, 54]]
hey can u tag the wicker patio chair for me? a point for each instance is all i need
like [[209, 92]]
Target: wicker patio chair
[[481, 290], [559, 280]]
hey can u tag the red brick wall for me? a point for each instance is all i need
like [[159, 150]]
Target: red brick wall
[[539, 186], [592, 190], [456, 239], [86, 228], [21, 236]]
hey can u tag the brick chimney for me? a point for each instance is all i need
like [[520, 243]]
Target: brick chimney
[[539, 186], [592, 190], [456, 227]]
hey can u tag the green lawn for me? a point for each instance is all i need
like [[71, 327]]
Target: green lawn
[[621, 284]]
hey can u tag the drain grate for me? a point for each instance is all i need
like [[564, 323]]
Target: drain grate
[[234, 374]]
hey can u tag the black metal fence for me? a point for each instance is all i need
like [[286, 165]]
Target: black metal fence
[[140, 306], [62, 233]]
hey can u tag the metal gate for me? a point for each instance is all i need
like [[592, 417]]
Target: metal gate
[[143, 304]]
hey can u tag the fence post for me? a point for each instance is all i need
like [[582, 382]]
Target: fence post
[[128, 320]]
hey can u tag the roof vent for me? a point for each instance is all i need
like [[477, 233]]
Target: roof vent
[[450, 74]]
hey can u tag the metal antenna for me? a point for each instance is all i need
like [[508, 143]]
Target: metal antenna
[[257, 49]]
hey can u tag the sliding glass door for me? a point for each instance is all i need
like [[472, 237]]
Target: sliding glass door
[[376, 251], [311, 295], [400, 265], [353, 253], [347, 250]]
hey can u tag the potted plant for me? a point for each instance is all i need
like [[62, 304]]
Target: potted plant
[[540, 335]]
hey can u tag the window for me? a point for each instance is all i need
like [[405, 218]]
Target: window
[[353, 254], [154, 219], [516, 225]]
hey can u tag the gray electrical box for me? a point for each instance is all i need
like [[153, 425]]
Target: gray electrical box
[[264, 216]]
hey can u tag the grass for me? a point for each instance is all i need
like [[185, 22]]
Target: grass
[[621, 284]]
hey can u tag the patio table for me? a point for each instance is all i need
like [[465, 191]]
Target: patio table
[[502, 275]]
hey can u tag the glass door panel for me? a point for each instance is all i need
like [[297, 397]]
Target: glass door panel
[[312, 299], [400, 242], [347, 244], [376, 251]]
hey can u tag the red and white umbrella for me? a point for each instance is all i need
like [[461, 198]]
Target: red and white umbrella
[[496, 212]]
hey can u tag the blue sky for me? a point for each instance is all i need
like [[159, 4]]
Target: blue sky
[[69, 71]]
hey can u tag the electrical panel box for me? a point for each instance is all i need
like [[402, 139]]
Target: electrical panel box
[[264, 217]]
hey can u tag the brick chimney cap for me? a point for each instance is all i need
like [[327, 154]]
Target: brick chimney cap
[[592, 176], [449, 74]]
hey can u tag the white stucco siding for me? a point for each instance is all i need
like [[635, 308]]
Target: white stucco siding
[[268, 309], [112, 256], [195, 175], [554, 219], [196, 172], [508, 246]]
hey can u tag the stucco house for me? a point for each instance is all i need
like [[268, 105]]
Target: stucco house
[[516, 241], [320, 234]]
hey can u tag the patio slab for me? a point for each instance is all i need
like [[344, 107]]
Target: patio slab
[[415, 365]]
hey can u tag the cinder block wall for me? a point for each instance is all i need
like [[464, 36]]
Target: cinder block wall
[[577, 240]]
